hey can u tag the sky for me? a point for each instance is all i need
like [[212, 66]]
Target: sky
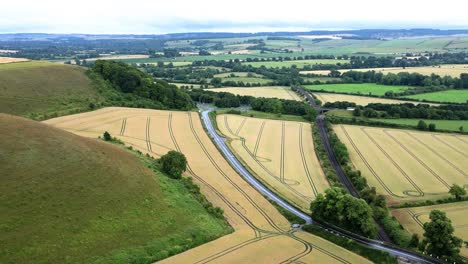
[[173, 16]]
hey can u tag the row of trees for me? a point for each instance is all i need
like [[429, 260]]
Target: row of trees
[[407, 110]]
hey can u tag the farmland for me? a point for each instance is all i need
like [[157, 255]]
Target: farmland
[[298, 63], [413, 219], [279, 92], [69, 199], [32, 87], [406, 165], [359, 89], [359, 100], [4, 60], [259, 229], [453, 70], [448, 96], [280, 153]]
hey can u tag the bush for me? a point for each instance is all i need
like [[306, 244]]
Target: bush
[[174, 164], [107, 136]]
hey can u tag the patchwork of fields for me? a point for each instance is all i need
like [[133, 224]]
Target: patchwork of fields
[[262, 234], [298, 63], [407, 165], [280, 92], [280, 153], [413, 219], [359, 89], [453, 70]]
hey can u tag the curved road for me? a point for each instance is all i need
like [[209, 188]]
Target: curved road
[[221, 144]]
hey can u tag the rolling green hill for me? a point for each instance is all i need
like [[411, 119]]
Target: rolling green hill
[[68, 199], [42, 87]]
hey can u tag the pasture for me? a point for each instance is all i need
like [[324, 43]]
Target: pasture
[[38, 87], [259, 229], [406, 165], [359, 100], [280, 153], [70, 199], [358, 89], [413, 219], [448, 96], [453, 70], [280, 92], [290, 63]]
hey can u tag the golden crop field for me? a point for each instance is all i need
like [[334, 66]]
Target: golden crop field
[[413, 219], [406, 165], [280, 153], [280, 92], [11, 60], [453, 70], [359, 100], [261, 233]]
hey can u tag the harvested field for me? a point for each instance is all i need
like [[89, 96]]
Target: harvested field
[[453, 70], [259, 227], [359, 100], [413, 219], [280, 153], [11, 60], [406, 165], [120, 57], [280, 92]]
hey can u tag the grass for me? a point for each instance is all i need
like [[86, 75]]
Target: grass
[[449, 96], [373, 255], [298, 63], [359, 89], [70, 199], [43, 87], [449, 125], [251, 80]]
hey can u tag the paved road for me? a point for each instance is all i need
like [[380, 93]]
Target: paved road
[[221, 144]]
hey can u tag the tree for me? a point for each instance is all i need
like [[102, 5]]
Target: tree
[[357, 111], [422, 125], [457, 191], [174, 164], [107, 136], [438, 236], [461, 129], [432, 127]]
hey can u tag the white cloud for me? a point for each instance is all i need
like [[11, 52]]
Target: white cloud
[[150, 16]]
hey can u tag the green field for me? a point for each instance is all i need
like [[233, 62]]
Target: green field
[[32, 87], [362, 89], [449, 96], [450, 125], [298, 63], [69, 199]]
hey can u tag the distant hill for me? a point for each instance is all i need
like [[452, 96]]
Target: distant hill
[[43, 87], [68, 199]]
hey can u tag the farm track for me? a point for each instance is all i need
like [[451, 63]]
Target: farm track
[[304, 163], [282, 153], [148, 138], [450, 146]]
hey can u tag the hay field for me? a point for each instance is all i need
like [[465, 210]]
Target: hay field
[[280, 153], [448, 96], [357, 88], [11, 60], [406, 165], [413, 219], [453, 70], [359, 100], [261, 233], [280, 92]]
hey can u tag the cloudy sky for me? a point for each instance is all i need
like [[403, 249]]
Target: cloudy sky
[[168, 16]]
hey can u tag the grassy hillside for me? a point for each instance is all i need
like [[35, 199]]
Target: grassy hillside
[[68, 199], [42, 87]]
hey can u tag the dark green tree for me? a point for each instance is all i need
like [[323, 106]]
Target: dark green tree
[[174, 164], [357, 111], [457, 191], [107, 136], [422, 125], [438, 237], [432, 127]]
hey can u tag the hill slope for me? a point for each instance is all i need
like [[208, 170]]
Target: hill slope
[[68, 199], [39, 87]]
